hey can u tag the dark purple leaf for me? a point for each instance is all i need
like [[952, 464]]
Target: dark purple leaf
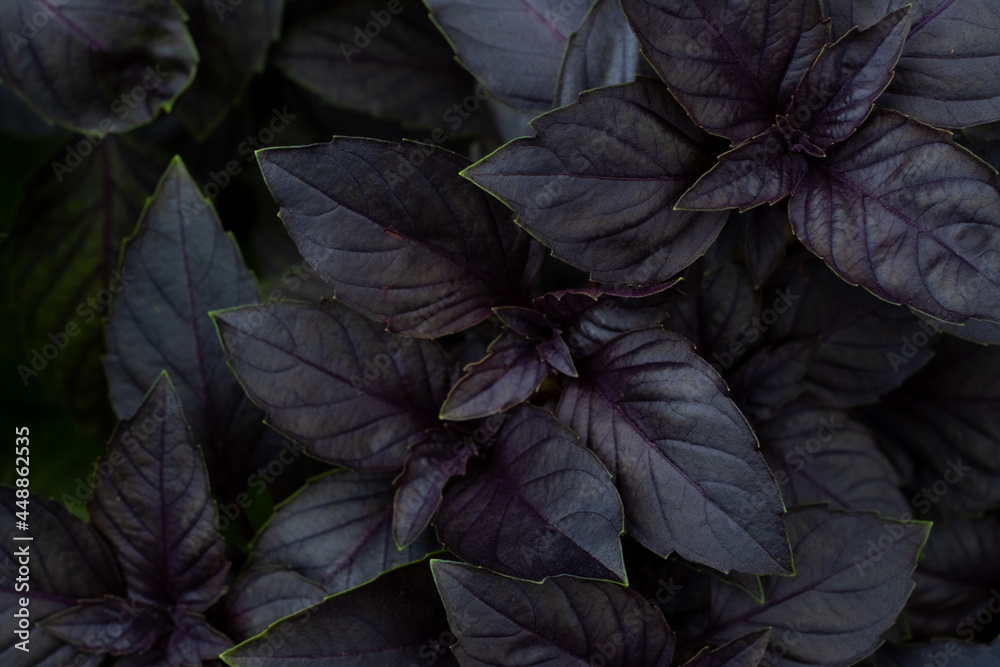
[[396, 620], [562, 621], [337, 531], [180, 265], [765, 241], [893, 230], [602, 52], [946, 74], [99, 66], [683, 457], [591, 317], [772, 378], [556, 353], [864, 347], [68, 560], [822, 455], [543, 505], [745, 651], [399, 234], [264, 595], [599, 181], [717, 313], [977, 331], [232, 42], [156, 510], [727, 243], [957, 577], [352, 393], [732, 64], [404, 70], [509, 374], [429, 466], [69, 229], [764, 170], [154, 657], [515, 46], [528, 322], [946, 419], [194, 641], [110, 625], [952, 654], [840, 88], [852, 577]]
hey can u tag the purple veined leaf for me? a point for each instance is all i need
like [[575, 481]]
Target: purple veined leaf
[[598, 183], [602, 52], [430, 465], [590, 317], [399, 234], [556, 353], [682, 455], [156, 509], [509, 374], [335, 381], [262, 596], [397, 620], [852, 577], [499, 620], [337, 531], [745, 651], [717, 312], [194, 640], [865, 347], [99, 66], [69, 561], [956, 654], [839, 90], [763, 170], [946, 74], [772, 378], [542, 505], [765, 241], [563, 620], [179, 265], [946, 421], [406, 70], [232, 41], [891, 229], [820, 454], [70, 226], [110, 625], [958, 575], [976, 331], [528, 322], [732, 64], [515, 46]]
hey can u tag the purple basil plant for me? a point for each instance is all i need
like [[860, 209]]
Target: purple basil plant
[[651, 333]]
